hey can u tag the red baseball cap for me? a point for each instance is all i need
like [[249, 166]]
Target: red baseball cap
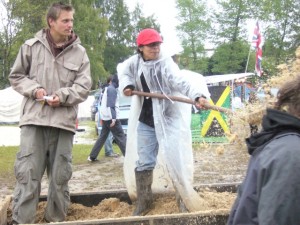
[[148, 36]]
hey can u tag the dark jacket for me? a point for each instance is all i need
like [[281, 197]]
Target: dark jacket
[[270, 192]]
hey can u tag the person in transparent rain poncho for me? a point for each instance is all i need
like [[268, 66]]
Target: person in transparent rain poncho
[[159, 144]]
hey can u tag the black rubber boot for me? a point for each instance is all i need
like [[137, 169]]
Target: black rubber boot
[[144, 192]]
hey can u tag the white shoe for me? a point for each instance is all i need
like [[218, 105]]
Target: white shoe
[[92, 160]]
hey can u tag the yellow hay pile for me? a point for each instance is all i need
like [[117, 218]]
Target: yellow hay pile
[[252, 113], [286, 71]]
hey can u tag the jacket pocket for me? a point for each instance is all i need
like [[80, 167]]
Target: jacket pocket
[[67, 74]]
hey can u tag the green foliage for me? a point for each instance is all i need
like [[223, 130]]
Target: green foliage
[[231, 58], [139, 22], [282, 33], [193, 28], [108, 32], [118, 35], [91, 30], [22, 20], [231, 20]]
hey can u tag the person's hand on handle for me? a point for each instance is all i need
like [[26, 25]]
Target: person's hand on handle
[[201, 103], [127, 92]]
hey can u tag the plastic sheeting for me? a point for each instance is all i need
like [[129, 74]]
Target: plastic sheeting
[[174, 168]]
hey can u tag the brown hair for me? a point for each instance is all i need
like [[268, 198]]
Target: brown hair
[[288, 97], [55, 9]]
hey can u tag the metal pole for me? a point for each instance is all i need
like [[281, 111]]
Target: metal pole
[[248, 59]]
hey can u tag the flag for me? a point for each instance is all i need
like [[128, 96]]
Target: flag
[[257, 43]]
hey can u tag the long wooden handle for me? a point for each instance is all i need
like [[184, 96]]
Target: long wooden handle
[[180, 99]]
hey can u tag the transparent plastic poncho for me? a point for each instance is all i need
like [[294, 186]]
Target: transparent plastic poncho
[[174, 168]]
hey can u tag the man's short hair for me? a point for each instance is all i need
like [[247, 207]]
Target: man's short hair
[[55, 10]]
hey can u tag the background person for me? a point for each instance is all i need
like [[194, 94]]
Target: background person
[[159, 123], [270, 193], [52, 64], [109, 112], [108, 146]]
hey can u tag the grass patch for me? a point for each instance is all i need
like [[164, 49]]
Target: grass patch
[[91, 124], [80, 152], [7, 159]]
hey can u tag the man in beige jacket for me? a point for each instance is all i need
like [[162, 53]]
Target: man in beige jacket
[[52, 72]]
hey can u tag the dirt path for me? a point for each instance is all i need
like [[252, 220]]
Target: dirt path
[[211, 166], [215, 163]]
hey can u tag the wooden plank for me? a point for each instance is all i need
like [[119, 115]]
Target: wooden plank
[[218, 217]]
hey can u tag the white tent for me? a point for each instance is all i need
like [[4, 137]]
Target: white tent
[[10, 103], [226, 77]]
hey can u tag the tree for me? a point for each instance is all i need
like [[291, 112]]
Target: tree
[[26, 17], [230, 36], [139, 22], [282, 33], [122, 31], [193, 29], [9, 39], [119, 32], [91, 29], [231, 21], [231, 57]]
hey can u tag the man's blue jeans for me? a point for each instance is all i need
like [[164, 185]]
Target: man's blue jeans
[[108, 147], [118, 134], [147, 146]]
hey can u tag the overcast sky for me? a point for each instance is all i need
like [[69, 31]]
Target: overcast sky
[[165, 11]]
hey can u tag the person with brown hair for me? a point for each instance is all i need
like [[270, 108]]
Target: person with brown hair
[[270, 192], [52, 72]]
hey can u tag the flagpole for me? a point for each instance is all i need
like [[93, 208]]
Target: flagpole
[[248, 59]]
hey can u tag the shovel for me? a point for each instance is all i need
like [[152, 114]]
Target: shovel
[[190, 198], [180, 99], [253, 118]]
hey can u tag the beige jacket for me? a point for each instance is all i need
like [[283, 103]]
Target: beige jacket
[[67, 75]]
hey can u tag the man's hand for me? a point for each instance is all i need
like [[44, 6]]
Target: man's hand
[[200, 104], [53, 101], [40, 93], [113, 122]]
